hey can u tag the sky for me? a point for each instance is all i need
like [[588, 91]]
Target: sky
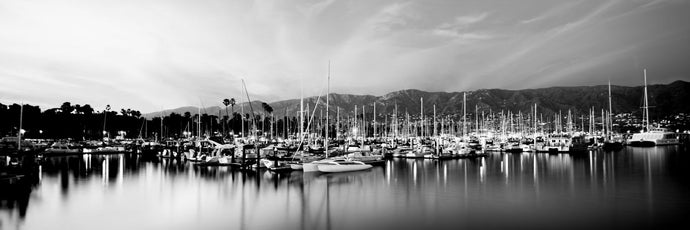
[[151, 55]]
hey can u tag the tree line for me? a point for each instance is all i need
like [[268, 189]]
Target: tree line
[[83, 122]]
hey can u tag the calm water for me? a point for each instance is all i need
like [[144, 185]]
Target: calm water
[[634, 187]]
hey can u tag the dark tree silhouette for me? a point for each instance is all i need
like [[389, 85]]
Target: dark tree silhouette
[[232, 108], [226, 102], [86, 109], [66, 108]]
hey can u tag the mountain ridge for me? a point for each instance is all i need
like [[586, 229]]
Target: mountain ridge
[[667, 99]]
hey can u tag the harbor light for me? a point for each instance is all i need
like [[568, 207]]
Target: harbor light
[[22, 131]]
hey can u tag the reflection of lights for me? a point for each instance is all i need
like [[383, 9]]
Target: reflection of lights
[[535, 167], [414, 171], [388, 172], [482, 170], [591, 166], [87, 160], [445, 173], [120, 170], [104, 172], [507, 163]]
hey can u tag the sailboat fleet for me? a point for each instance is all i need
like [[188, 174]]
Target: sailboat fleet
[[434, 138], [359, 143]]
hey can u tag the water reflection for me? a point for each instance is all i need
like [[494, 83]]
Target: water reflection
[[630, 188]]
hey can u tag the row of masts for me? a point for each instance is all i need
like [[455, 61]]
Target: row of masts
[[503, 123]]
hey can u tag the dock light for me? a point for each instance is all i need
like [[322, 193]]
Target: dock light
[[40, 131], [105, 132], [22, 131]]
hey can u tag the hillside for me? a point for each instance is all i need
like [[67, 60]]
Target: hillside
[[665, 99]]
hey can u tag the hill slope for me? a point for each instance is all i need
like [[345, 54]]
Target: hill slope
[[666, 99]]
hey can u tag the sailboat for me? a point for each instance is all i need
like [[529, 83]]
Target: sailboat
[[612, 142], [653, 136], [339, 165], [342, 165]]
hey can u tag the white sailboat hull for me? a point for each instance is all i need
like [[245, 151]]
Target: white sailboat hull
[[310, 167], [341, 168]]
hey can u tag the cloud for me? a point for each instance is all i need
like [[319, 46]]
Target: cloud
[[464, 21], [458, 28], [523, 47], [169, 53]]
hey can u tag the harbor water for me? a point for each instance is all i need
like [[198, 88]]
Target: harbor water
[[630, 188]]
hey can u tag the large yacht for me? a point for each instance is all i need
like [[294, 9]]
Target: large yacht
[[655, 136]]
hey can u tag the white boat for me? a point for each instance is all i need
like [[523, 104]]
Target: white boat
[[342, 166], [297, 167], [106, 150], [656, 136], [221, 155], [314, 165], [564, 143], [653, 136], [62, 148]]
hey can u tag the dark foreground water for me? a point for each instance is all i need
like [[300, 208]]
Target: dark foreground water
[[631, 188]]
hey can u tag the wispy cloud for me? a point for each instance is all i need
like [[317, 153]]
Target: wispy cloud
[[161, 53], [527, 46], [458, 28], [462, 22]]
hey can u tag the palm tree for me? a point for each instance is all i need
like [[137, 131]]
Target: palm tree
[[226, 102], [268, 110], [232, 107]]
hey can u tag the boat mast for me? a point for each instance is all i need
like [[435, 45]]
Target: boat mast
[[242, 116], [19, 132], [364, 127], [610, 112], [464, 113], [374, 119], [476, 119], [396, 120], [301, 112], [434, 126], [421, 115], [535, 126], [161, 134], [646, 103], [198, 123], [328, 92]]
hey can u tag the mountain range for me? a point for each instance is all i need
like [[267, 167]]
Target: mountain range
[[664, 99]]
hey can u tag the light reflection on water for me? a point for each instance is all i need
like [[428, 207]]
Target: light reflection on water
[[635, 187]]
